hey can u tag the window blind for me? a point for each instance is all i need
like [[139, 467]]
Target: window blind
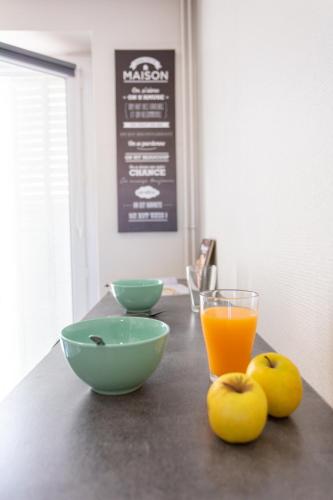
[[35, 256], [47, 63]]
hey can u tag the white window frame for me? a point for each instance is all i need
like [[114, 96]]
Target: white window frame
[[83, 189], [77, 202]]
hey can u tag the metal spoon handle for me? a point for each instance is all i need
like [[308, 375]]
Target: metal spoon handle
[[143, 315], [97, 340]]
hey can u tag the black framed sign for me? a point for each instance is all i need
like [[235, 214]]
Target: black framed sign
[[146, 149]]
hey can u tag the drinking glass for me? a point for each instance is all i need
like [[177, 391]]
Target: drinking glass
[[200, 279], [229, 321]]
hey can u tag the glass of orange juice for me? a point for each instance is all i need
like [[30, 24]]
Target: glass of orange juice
[[229, 321]]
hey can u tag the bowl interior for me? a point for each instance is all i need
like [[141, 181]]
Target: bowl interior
[[116, 331]]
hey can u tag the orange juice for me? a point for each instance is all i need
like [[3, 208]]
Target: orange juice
[[229, 336]]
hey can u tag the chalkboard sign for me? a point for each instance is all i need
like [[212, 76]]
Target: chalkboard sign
[[146, 153]]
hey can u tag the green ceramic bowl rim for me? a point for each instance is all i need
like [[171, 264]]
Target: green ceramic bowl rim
[[139, 283], [129, 344]]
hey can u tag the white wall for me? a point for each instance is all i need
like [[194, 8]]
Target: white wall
[[266, 121], [125, 24]]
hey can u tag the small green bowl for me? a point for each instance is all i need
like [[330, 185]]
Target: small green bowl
[[133, 349], [137, 295]]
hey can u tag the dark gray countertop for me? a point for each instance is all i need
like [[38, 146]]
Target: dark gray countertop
[[59, 440]]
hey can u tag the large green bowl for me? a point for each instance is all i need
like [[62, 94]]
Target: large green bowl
[[132, 351], [137, 295]]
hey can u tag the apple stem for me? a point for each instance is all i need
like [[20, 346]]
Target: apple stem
[[271, 364]]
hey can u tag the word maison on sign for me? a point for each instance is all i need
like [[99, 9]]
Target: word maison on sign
[[146, 149]]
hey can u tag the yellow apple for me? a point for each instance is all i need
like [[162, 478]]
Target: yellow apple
[[237, 408], [281, 381]]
